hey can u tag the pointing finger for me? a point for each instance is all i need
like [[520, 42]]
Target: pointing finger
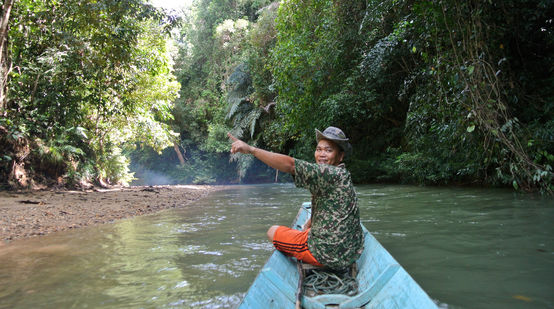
[[232, 137]]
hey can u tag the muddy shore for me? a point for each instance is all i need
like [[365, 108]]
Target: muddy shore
[[34, 213]]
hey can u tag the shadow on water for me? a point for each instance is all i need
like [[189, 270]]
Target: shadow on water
[[467, 248]]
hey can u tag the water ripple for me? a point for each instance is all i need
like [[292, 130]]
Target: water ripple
[[222, 301]]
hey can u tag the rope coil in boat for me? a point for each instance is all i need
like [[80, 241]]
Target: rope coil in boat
[[325, 281]]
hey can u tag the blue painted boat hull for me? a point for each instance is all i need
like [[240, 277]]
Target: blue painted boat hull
[[382, 282]]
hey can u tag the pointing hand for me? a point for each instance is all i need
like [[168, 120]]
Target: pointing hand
[[238, 145]]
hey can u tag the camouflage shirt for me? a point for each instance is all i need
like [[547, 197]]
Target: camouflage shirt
[[336, 238]]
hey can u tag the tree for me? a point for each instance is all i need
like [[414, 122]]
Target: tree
[[4, 59], [91, 78]]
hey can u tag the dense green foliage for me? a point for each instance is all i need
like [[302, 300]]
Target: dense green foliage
[[88, 79], [217, 65], [430, 92]]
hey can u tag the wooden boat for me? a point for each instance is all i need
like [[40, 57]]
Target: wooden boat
[[382, 282]]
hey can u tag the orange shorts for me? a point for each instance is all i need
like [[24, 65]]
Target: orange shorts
[[294, 243]]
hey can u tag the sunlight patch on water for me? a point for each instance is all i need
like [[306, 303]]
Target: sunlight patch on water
[[191, 249], [210, 220], [398, 234], [210, 252], [182, 284]]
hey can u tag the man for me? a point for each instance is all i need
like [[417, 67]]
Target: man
[[333, 236]]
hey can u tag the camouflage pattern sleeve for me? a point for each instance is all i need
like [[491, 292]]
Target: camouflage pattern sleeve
[[314, 177]]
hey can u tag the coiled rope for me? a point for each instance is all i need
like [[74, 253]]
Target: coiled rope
[[325, 281]]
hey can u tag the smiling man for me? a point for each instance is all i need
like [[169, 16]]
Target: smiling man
[[333, 236]]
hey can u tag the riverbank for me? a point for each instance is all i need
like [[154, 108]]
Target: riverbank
[[34, 213]]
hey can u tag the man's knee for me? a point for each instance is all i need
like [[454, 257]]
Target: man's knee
[[271, 232]]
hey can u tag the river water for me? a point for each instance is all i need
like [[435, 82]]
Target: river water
[[468, 248]]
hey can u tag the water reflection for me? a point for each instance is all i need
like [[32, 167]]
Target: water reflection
[[468, 248]]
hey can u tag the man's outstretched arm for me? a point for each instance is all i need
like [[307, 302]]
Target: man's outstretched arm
[[278, 161]]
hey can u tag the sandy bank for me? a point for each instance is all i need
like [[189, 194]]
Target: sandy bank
[[28, 214]]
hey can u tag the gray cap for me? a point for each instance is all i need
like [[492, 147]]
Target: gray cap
[[336, 135]]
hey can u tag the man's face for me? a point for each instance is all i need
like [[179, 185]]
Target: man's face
[[327, 152]]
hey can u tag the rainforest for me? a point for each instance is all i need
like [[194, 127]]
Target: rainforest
[[442, 92]]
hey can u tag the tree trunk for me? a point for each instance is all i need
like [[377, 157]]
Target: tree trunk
[[181, 158], [19, 151], [4, 61]]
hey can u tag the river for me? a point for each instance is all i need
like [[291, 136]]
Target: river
[[467, 247]]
